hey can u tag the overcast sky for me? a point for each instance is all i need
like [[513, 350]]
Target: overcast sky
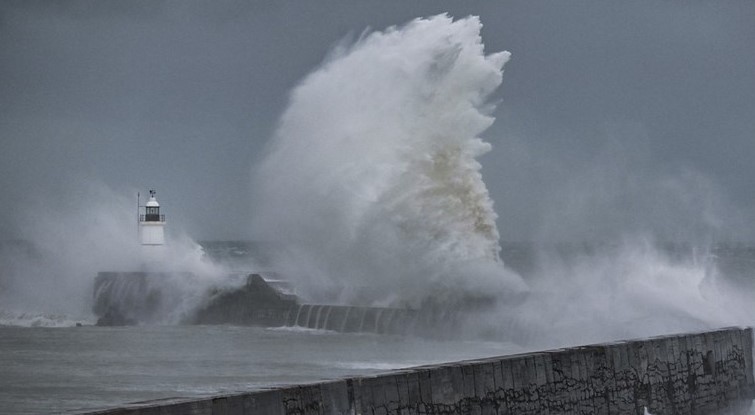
[[615, 117]]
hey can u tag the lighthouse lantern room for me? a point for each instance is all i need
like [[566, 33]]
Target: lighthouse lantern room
[[151, 223]]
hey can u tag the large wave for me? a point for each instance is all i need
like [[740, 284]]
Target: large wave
[[372, 178]]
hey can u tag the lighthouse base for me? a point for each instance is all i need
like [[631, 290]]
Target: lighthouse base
[[130, 298]]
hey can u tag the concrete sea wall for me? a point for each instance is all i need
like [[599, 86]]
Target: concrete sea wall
[[131, 298], [352, 319], [697, 373]]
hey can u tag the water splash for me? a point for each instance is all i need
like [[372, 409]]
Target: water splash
[[68, 244], [372, 178], [31, 319], [583, 294], [372, 181]]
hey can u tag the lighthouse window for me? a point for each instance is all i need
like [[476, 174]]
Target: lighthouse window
[[152, 214]]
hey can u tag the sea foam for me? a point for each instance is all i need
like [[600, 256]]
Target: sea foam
[[372, 178]]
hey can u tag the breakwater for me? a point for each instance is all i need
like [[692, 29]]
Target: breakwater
[[349, 319], [696, 373], [131, 298]]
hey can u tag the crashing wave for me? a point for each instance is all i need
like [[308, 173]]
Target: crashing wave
[[30, 319], [372, 178]]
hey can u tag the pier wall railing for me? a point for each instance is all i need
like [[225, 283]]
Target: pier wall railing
[[696, 373]]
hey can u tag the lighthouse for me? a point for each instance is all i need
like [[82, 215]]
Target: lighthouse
[[151, 223]]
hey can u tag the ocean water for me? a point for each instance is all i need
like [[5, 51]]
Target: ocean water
[[70, 369]]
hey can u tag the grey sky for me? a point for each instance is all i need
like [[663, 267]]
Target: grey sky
[[615, 116]]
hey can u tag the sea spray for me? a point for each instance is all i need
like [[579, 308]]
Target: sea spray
[[589, 293], [68, 242], [372, 182], [372, 178]]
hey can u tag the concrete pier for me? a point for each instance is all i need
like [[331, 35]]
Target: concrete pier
[[696, 373]]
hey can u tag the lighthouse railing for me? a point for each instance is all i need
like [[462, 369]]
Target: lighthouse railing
[[151, 218]]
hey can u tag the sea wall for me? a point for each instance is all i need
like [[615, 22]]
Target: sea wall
[[697, 373], [353, 319], [130, 298]]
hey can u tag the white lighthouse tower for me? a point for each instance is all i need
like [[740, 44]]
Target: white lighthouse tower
[[151, 223]]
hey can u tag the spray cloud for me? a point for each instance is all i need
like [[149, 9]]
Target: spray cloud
[[49, 279], [372, 178]]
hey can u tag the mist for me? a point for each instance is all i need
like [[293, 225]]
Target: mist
[[47, 277]]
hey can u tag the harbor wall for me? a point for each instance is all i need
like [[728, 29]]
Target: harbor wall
[[696, 373]]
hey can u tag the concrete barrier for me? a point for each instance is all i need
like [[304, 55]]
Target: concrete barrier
[[697, 373]]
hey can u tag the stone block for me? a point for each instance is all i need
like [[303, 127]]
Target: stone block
[[389, 384], [203, 407], [335, 398], [425, 390], [408, 393], [372, 394], [263, 402]]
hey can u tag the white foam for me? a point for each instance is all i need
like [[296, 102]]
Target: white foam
[[372, 177], [376, 365], [299, 329], [24, 319]]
